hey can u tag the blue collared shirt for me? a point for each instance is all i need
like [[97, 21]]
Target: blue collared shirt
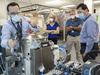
[[77, 22], [89, 33], [9, 32]]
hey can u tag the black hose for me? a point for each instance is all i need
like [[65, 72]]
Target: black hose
[[91, 55]]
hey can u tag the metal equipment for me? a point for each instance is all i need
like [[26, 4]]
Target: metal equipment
[[37, 52], [91, 68]]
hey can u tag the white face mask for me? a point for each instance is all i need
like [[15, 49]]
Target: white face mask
[[51, 19], [73, 16], [16, 18], [82, 16]]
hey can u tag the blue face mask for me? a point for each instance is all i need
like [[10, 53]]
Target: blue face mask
[[82, 16], [16, 18]]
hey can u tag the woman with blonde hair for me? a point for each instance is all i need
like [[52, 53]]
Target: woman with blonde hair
[[52, 28]]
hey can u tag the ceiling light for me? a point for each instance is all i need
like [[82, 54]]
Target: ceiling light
[[54, 2], [23, 0], [96, 2], [68, 6], [45, 10]]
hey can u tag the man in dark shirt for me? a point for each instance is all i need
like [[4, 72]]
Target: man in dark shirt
[[73, 28]]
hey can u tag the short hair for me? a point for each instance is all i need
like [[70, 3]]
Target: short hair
[[12, 4], [83, 6]]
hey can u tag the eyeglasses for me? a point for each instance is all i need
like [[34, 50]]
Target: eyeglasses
[[14, 13], [80, 11]]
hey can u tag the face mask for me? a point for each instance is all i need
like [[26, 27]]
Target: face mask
[[16, 18], [82, 16], [73, 16], [51, 20]]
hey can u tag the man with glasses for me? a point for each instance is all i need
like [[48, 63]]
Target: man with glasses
[[89, 35]]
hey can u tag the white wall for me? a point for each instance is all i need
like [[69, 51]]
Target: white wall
[[97, 15], [3, 14], [97, 9]]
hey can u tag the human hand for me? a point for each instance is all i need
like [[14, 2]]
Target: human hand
[[69, 28], [50, 31], [11, 43], [84, 55]]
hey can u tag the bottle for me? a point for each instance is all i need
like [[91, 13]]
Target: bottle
[[66, 71], [42, 72]]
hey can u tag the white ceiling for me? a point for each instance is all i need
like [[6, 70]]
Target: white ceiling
[[54, 3]]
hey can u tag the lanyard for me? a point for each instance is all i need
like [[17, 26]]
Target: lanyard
[[20, 23], [19, 31], [19, 34]]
